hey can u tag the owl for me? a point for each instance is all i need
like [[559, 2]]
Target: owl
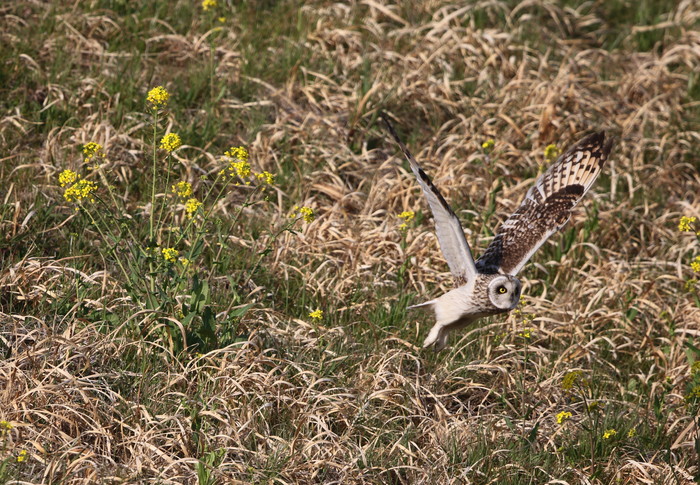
[[489, 286]]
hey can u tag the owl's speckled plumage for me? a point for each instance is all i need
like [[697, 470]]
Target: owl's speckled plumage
[[489, 286]]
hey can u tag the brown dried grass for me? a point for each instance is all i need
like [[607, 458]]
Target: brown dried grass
[[360, 403]]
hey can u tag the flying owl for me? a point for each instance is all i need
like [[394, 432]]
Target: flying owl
[[489, 285]]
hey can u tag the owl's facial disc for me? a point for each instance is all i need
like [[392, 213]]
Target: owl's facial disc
[[504, 292]]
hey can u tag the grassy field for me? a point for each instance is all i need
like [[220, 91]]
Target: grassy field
[[233, 310]]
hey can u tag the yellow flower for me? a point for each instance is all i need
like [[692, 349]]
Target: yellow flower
[[570, 379], [191, 206], [407, 216], [266, 177], [525, 333], [5, 426], [170, 142], [307, 213], [67, 177], [185, 262], [695, 368], [488, 145], [158, 97], [208, 4], [238, 153], [222, 19], [170, 254], [551, 152], [238, 166], [685, 224], [22, 456], [316, 314], [609, 434], [91, 150], [695, 265], [593, 405], [182, 189], [563, 416], [83, 189], [632, 433]]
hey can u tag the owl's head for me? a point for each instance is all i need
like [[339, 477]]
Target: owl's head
[[504, 292]]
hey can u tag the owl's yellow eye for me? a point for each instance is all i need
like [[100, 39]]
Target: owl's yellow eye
[[502, 289]]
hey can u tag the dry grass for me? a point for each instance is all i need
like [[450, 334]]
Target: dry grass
[[95, 397]]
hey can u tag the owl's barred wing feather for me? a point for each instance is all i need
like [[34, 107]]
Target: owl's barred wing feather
[[547, 206], [449, 231]]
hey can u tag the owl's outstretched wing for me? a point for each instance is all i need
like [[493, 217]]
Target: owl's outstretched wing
[[449, 231], [547, 206]]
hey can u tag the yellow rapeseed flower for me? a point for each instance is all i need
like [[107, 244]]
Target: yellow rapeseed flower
[[316, 314], [551, 152], [22, 456], [632, 433], [307, 213], [5, 426], [170, 254], [526, 334], [208, 4], [182, 189], [695, 265], [170, 142], [407, 215], [266, 177], [238, 153], [563, 416], [488, 145], [567, 383], [82, 189], [67, 177], [191, 206], [685, 224], [158, 97], [91, 150], [609, 434]]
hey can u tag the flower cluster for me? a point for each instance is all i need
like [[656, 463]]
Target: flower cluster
[[563, 416], [609, 433], [182, 189], [570, 379], [526, 334], [687, 224], [695, 264], [406, 216], [316, 314], [91, 150], [170, 142], [22, 456], [551, 152], [306, 213], [80, 190], [488, 145], [67, 177], [5, 426], [208, 4], [192, 206], [158, 97], [266, 177], [170, 254]]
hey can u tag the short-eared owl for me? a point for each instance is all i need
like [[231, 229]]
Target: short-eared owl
[[489, 286]]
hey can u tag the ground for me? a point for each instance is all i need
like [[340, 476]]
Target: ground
[[170, 313]]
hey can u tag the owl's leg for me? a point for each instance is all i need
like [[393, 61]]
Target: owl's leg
[[436, 334]]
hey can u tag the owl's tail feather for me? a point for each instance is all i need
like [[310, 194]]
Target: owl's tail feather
[[427, 303]]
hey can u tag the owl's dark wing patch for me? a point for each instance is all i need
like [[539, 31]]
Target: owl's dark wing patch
[[449, 231], [547, 206]]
